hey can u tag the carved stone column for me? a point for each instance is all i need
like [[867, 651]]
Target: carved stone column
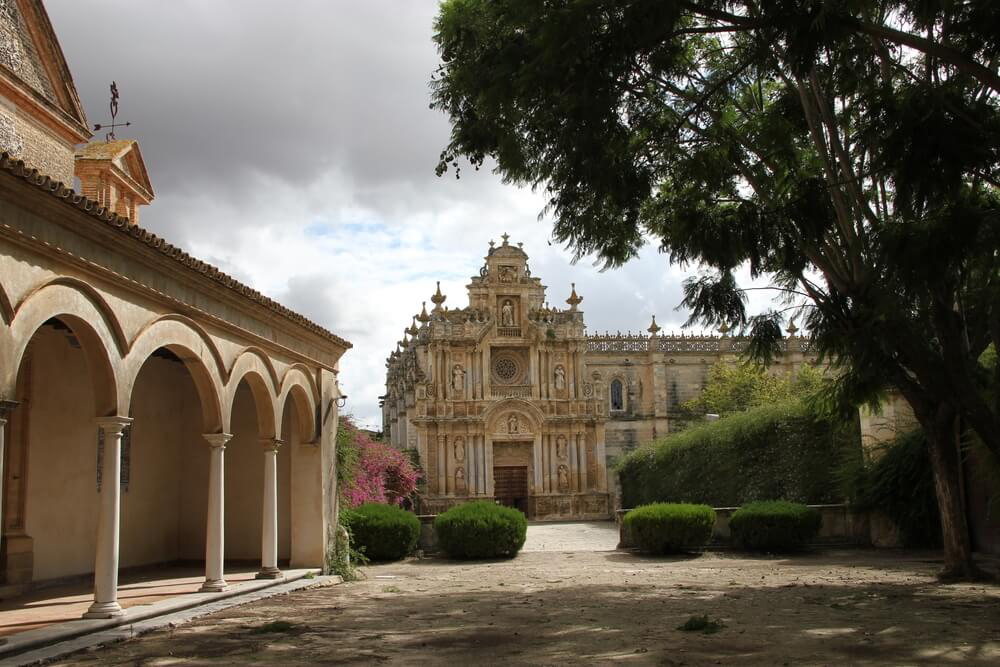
[[269, 515], [442, 465], [105, 603], [573, 463], [581, 458], [215, 547]]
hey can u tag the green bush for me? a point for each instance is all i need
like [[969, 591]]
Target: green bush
[[481, 529], [670, 527], [773, 525], [382, 532], [782, 450]]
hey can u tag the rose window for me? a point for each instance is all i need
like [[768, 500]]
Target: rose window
[[505, 369]]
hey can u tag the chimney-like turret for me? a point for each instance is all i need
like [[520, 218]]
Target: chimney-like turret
[[113, 174]]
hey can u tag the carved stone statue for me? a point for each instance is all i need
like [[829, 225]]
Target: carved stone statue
[[458, 378], [563, 478], [507, 314], [460, 480], [561, 446], [512, 424], [459, 449], [560, 378]]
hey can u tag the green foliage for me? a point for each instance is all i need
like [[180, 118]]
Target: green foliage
[[382, 532], [664, 528], [736, 387], [348, 452], [342, 559], [774, 526], [783, 450], [481, 529], [900, 484]]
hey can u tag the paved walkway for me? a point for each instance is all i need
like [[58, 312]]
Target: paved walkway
[[592, 606], [575, 536], [68, 602]]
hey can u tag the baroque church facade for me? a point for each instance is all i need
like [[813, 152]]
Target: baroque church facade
[[512, 400]]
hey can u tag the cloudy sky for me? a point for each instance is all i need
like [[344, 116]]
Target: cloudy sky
[[291, 145]]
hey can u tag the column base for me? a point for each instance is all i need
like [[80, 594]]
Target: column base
[[213, 586], [270, 573], [104, 610]]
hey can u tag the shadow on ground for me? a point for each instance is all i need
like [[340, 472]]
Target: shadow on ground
[[597, 608]]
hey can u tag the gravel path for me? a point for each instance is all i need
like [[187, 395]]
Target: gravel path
[[598, 606]]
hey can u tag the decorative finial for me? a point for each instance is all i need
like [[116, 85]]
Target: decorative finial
[[437, 298], [723, 329], [573, 299], [520, 244], [423, 317], [792, 329], [406, 341], [413, 327], [654, 327], [492, 243], [505, 236]]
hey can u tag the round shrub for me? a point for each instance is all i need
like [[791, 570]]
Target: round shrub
[[481, 529], [382, 532], [774, 525], [663, 528]]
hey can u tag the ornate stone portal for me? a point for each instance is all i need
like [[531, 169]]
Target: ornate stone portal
[[495, 397]]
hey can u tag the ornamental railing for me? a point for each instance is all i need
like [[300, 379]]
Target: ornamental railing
[[695, 344], [509, 332], [510, 391]]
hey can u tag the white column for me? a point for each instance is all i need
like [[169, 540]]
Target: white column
[[5, 409], [215, 546], [269, 514], [108, 522]]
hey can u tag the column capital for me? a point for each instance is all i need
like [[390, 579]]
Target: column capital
[[6, 407], [218, 439], [271, 444], [114, 425]]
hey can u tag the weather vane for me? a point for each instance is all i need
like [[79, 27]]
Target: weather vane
[[114, 112]]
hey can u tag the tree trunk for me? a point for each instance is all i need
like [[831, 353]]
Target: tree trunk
[[939, 428]]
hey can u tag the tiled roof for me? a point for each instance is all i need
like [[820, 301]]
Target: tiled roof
[[117, 222]]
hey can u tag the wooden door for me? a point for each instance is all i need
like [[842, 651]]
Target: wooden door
[[511, 486]]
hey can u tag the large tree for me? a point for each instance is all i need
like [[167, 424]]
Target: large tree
[[845, 148]]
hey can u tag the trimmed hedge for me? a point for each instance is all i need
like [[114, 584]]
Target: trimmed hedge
[[664, 528], [775, 451], [481, 529], [382, 532], [773, 526]]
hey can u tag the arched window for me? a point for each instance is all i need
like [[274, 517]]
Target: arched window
[[617, 399]]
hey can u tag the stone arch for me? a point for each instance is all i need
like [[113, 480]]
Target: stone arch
[[499, 411], [198, 353], [92, 323], [298, 386], [254, 367], [6, 310]]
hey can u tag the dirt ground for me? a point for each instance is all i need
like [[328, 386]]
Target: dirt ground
[[562, 602]]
